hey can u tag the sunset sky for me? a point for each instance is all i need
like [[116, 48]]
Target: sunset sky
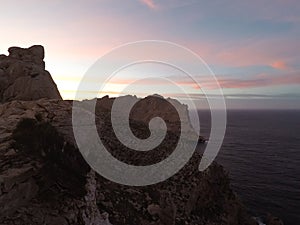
[[252, 46]]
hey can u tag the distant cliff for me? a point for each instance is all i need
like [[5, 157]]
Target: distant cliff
[[45, 180]]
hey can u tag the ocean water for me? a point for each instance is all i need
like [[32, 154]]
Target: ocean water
[[261, 151]]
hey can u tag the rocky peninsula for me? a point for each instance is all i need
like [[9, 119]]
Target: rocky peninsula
[[45, 180]]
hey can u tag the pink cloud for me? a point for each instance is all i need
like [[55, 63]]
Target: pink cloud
[[279, 65], [250, 53], [259, 80], [149, 3], [180, 81]]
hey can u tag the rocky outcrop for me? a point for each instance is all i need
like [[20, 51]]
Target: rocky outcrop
[[44, 179], [151, 106], [23, 75], [174, 113], [272, 220]]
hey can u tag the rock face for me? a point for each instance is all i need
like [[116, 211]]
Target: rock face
[[272, 220], [44, 179], [23, 75], [151, 106], [170, 110]]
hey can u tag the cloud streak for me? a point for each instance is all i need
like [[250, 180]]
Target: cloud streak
[[149, 3], [262, 80], [233, 96], [259, 80], [280, 65]]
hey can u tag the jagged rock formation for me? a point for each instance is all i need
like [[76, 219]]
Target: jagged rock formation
[[44, 179], [23, 75], [152, 106]]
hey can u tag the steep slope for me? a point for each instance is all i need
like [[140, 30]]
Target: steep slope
[[44, 178]]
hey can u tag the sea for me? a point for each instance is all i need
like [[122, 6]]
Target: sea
[[261, 152]]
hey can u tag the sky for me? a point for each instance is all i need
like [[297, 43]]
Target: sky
[[252, 47]]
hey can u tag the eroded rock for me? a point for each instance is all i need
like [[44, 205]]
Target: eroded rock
[[63, 189], [272, 220], [45, 180], [23, 75]]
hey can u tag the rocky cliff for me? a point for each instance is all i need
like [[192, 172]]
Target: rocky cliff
[[45, 180], [23, 75]]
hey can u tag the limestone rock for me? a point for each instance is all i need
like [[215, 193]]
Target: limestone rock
[[35, 54], [172, 112], [23, 76], [44, 178], [272, 220], [39, 158]]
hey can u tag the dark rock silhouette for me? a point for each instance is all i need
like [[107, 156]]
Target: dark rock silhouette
[[272, 220], [23, 75], [45, 180]]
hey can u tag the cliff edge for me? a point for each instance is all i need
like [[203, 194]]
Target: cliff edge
[[45, 180]]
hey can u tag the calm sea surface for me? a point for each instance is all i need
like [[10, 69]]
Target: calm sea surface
[[261, 151]]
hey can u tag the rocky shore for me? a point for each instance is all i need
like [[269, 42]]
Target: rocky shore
[[45, 180]]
